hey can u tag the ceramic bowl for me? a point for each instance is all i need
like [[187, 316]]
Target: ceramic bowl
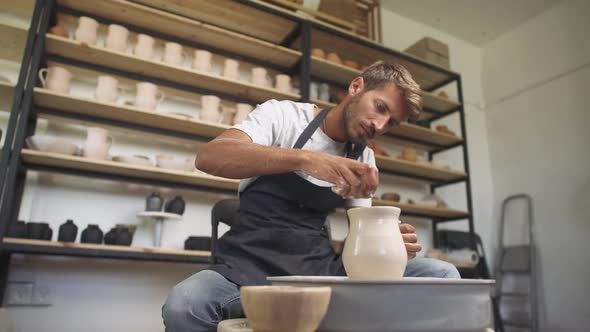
[[175, 163], [284, 308], [51, 144], [134, 160], [408, 304]]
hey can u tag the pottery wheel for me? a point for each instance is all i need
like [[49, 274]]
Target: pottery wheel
[[158, 218]]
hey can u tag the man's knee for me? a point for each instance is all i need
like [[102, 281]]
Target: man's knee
[[429, 267], [442, 269]]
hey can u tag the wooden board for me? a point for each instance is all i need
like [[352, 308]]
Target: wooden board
[[423, 210], [123, 61], [6, 96], [182, 27], [125, 113], [435, 174], [333, 72], [92, 246], [118, 168], [21, 8], [425, 135], [435, 103], [231, 15], [12, 41]]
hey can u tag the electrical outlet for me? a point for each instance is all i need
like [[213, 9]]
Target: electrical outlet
[[19, 293], [42, 295]]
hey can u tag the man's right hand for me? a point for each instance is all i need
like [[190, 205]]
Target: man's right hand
[[351, 178]]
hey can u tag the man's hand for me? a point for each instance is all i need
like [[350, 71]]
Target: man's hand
[[410, 239], [351, 178]]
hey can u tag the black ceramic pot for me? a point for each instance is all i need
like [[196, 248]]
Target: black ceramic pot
[[198, 243], [154, 202], [36, 230], [17, 229], [67, 231], [47, 232], [92, 234], [124, 237], [175, 205], [111, 236]]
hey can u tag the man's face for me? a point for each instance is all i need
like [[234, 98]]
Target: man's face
[[373, 113]]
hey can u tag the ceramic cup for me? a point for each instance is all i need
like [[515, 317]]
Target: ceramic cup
[[210, 108], [283, 83], [314, 90], [318, 52], [242, 111], [202, 61], [55, 79], [117, 38], [260, 77], [87, 30], [97, 144], [230, 69], [173, 54], [107, 89], [144, 48], [324, 91], [147, 95]]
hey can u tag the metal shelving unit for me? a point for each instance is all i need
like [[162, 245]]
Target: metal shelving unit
[[232, 28]]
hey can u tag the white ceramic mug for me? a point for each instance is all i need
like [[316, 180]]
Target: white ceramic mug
[[144, 48], [173, 54], [57, 79], [202, 61], [242, 112], [117, 38], [260, 77], [314, 90], [230, 69], [227, 115], [107, 89], [324, 91], [97, 144], [147, 95], [210, 108], [283, 83], [87, 30]]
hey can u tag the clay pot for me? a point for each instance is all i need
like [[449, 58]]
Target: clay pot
[[97, 144], [92, 234], [17, 230], [117, 38], [351, 64], [87, 31], [230, 69], [59, 29], [242, 112], [318, 52], [394, 197], [283, 83], [333, 57], [409, 155], [55, 79], [374, 248], [107, 89], [154, 202], [202, 61], [175, 205], [67, 231], [144, 47], [173, 54], [198, 243], [148, 95]]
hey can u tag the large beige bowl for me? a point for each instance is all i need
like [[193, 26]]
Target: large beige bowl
[[285, 308]]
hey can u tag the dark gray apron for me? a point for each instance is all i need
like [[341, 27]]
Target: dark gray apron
[[279, 229]]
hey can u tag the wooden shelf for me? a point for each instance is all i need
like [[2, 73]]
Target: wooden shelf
[[102, 250], [125, 113], [126, 62], [332, 72], [322, 103], [418, 170], [12, 41], [182, 27], [134, 171], [423, 210], [6, 95], [424, 138]]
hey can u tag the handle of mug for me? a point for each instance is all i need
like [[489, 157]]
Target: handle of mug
[[110, 141], [161, 98], [41, 78], [185, 56]]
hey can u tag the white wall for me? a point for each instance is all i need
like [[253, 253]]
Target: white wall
[[536, 80]]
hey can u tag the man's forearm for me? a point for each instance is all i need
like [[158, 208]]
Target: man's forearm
[[237, 159]]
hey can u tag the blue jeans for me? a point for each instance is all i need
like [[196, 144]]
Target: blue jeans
[[200, 302]]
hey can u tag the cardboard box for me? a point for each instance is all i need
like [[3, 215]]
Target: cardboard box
[[431, 50]]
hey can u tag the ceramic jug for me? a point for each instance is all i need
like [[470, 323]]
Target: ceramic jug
[[87, 30], [147, 95], [374, 248], [117, 38], [210, 108], [173, 54], [55, 79], [107, 89], [242, 112], [260, 77], [230, 69], [97, 143], [67, 231], [154, 202], [144, 47], [283, 83], [202, 61]]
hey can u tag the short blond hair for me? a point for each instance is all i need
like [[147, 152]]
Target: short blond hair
[[382, 73]]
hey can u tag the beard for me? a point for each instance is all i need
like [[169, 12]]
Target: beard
[[349, 116]]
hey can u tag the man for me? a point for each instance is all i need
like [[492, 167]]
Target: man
[[297, 164]]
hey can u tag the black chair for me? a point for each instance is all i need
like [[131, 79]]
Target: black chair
[[224, 211]]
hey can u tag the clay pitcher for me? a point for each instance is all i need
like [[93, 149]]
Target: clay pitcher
[[210, 108], [283, 83], [107, 89], [202, 61], [173, 54], [144, 48], [147, 95], [260, 77], [374, 248], [230, 69], [55, 79], [242, 112], [87, 31], [97, 144], [117, 38]]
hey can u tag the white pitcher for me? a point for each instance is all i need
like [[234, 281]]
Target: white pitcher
[[173, 54], [144, 48], [55, 79], [87, 31], [202, 61], [97, 144], [147, 95], [117, 38], [374, 248]]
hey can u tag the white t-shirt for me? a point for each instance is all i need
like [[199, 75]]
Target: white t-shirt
[[280, 123]]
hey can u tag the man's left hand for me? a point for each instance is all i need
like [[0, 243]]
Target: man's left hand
[[410, 239]]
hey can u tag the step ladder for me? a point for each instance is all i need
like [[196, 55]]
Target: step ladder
[[517, 260]]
